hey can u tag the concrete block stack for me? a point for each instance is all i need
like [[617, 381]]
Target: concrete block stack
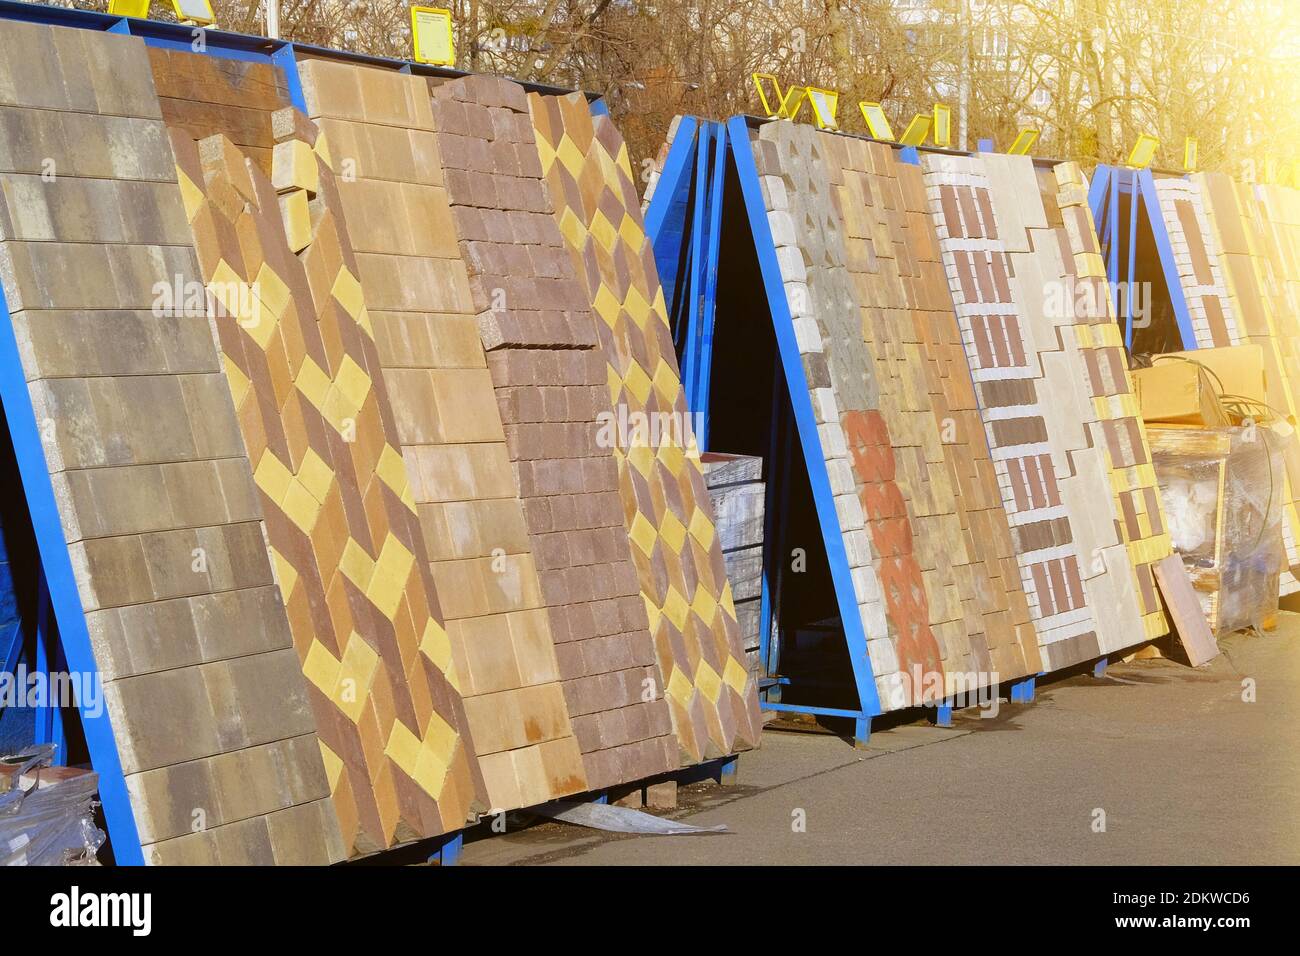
[[679, 566], [1004, 259], [856, 253], [548, 371], [143, 446]]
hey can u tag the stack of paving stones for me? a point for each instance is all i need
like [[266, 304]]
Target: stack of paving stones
[[1278, 242], [665, 502], [204, 95], [1090, 336], [1196, 254], [978, 608], [1008, 278], [1001, 348], [418, 293], [845, 258], [841, 378], [208, 706], [739, 496], [340, 520], [1254, 256], [550, 380]]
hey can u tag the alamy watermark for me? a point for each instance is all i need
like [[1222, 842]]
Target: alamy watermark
[[1068, 298], [189, 298], [628, 428], [957, 689], [23, 688]]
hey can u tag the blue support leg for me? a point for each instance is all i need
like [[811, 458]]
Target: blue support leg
[[448, 854], [943, 714], [1022, 691], [712, 263], [728, 770], [1099, 669], [861, 732], [668, 212], [451, 850]]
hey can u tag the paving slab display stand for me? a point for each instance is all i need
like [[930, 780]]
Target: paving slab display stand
[[684, 217], [708, 171], [60, 622], [1204, 243], [685, 210]]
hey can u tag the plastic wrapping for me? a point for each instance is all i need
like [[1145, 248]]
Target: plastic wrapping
[[47, 815], [1222, 491], [601, 816]]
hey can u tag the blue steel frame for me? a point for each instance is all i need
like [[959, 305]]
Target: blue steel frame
[[697, 308], [1109, 183], [689, 195], [64, 598], [805, 425], [665, 217], [667, 214], [708, 304], [694, 263]]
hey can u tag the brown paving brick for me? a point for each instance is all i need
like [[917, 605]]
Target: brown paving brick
[[539, 336]]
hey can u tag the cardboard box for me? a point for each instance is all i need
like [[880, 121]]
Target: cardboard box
[[1175, 392], [1236, 371]]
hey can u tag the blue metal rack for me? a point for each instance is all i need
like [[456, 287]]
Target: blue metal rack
[[60, 600], [1117, 226], [684, 224]]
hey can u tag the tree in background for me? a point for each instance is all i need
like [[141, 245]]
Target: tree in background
[[1089, 74]]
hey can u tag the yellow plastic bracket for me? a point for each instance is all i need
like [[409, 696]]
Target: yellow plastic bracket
[[1025, 141], [1189, 154], [792, 102], [942, 126], [877, 122], [916, 131], [771, 107], [824, 104], [1144, 150], [432, 36], [194, 11], [129, 8]]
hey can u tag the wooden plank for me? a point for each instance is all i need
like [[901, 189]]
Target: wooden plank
[[745, 571], [739, 510], [724, 469], [1185, 610]]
